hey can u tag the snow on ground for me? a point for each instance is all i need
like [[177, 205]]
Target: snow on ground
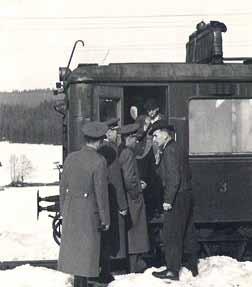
[[28, 276], [217, 271], [19, 228], [41, 156], [22, 237]]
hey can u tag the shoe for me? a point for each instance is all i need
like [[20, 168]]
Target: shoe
[[166, 274], [192, 266], [190, 262], [109, 278], [105, 279], [194, 271]]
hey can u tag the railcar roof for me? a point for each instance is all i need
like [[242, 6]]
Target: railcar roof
[[160, 72]]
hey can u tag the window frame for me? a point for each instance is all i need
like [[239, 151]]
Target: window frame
[[216, 153]]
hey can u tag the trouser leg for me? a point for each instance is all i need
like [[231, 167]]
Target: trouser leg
[[133, 262], [80, 281], [191, 247], [172, 245], [105, 267], [137, 264], [173, 232], [105, 262]]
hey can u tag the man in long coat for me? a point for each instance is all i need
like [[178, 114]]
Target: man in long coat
[[138, 242], [84, 207], [146, 166], [178, 228], [153, 194], [114, 240]]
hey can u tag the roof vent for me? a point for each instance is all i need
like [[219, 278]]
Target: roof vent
[[205, 44]]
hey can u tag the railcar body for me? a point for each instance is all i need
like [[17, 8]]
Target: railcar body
[[210, 107], [210, 104]]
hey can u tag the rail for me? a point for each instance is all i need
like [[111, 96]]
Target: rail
[[7, 265]]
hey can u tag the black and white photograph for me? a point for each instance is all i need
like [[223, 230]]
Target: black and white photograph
[[126, 143]]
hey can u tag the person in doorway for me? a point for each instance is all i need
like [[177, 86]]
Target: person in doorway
[[138, 242], [153, 111], [178, 228], [84, 207], [146, 155], [146, 165]]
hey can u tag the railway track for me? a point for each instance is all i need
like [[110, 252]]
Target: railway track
[[7, 265]]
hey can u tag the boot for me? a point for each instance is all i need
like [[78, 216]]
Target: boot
[[191, 264], [166, 274]]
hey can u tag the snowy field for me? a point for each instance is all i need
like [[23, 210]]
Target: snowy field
[[20, 229], [41, 156], [22, 237]]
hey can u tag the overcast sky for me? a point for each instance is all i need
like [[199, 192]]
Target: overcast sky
[[37, 36]]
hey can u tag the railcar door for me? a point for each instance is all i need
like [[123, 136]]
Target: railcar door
[[108, 102], [88, 102]]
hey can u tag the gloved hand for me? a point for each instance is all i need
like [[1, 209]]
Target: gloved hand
[[104, 227], [167, 206], [123, 212], [143, 184]]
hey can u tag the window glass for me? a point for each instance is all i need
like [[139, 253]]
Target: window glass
[[107, 108], [220, 126]]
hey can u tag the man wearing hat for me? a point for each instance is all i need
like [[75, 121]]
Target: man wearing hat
[[113, 240], [145, 161], [178, 229], [84, 207], [153, 110], [138, 242]]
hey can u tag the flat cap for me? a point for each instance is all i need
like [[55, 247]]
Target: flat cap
[[94, 130], [160, 125], [129, 129], [112, 123], [151, 104]]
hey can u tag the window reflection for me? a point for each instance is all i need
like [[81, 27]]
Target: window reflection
[[108, 108], [220, 126]]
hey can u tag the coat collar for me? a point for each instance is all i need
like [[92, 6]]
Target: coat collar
[[159, 153], [85, 148]]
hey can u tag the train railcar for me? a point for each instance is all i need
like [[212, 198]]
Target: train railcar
[[209, 101]]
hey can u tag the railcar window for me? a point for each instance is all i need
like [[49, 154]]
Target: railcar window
[[220, 126], [108, 108]]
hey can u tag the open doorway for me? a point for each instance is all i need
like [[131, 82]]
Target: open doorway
[[138, 95]]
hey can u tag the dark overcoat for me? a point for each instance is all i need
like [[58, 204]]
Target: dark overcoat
[[146, 166], [138, 241], [173, 170], [117, 201], [84, 206], [178, 228]]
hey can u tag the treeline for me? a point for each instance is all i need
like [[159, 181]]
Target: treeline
[[29, 98], [25, 124]]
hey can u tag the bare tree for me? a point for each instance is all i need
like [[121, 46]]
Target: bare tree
[[13, 168], [20, 168], [25, 167]]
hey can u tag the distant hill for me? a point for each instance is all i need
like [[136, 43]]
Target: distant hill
[[28, 98], [29, 117]]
